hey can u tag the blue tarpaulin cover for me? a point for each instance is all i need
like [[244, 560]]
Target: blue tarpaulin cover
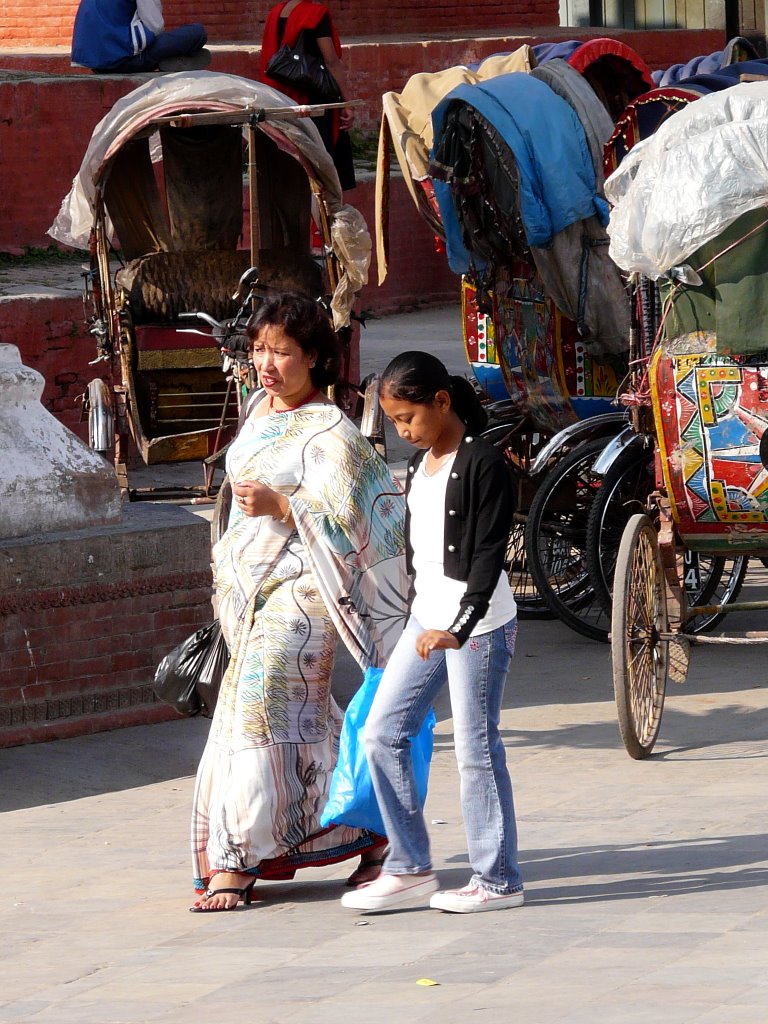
[[551, 51], [557, 178], [738, 52]]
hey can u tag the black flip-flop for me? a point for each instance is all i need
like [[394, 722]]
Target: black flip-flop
[[245, 895], [377, 862]]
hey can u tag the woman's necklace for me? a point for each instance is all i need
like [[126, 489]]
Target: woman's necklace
[[290, 408], [437, 463]]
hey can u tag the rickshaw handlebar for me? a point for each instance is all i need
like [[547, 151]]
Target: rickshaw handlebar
[[199, 315], [231, 342]]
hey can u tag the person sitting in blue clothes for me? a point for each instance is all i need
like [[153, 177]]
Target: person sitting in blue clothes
[[128, 36]]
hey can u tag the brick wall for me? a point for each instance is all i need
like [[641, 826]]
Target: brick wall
[[86, 616], [52, 339], [418, 275], [71, 670], [46, 122], [45, 126], [50, 24]]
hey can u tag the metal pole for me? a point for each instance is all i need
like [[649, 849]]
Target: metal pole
[[732, 21], [253, 197]]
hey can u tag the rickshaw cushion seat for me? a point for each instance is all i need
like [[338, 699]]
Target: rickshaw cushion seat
[[161, 285]]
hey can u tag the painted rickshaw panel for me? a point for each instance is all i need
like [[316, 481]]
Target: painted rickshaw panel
[[709, 387], [544, 365], [711, 412]]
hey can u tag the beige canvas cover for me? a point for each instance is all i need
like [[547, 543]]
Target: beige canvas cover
[[407, 123]]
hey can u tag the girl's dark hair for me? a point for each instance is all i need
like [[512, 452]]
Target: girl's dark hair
[[418, 376], [305, 321]]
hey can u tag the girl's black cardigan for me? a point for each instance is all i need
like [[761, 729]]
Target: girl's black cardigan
[[478, 512]]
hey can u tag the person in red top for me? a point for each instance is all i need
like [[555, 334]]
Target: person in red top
[[284, 23]]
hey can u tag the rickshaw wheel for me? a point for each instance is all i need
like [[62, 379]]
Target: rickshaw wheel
[[529, 604], [625, 491], [372, 417], [723, 578], [639, 655], [707, 579], [519, 445], [555, 540]]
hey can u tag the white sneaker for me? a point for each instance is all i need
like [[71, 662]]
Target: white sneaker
[[474, 899], [390, 892]]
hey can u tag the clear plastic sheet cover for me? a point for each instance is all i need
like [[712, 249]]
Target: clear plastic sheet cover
[[352, 245], [702, 169]]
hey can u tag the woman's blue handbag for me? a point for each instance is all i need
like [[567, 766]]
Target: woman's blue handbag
[[351, 800]]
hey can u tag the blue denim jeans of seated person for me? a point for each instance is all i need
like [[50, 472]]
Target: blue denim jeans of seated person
[[175, 42], [475, 675]]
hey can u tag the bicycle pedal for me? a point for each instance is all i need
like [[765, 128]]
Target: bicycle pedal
[[678, 657]]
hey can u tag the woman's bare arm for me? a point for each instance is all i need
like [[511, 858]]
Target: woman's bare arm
[[336, 66]]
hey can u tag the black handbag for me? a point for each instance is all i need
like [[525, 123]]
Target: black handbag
[[189, 677], [303, 71]]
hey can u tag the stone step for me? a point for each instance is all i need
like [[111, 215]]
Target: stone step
[[387, 61]]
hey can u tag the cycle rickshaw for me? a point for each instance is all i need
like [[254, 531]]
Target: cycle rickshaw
[[690, 212], [545, 329], [198, 194]]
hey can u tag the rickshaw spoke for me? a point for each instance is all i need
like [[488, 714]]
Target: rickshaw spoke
[[556, 540]]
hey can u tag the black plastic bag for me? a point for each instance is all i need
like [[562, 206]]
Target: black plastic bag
[[189, 677], [303, 71]]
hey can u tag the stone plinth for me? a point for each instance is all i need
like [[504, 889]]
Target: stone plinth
[[49, 480], [86, 615]]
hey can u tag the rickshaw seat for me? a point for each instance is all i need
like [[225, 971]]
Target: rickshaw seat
[[161, 285]]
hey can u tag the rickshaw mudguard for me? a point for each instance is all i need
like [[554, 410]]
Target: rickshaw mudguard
[[616, 447], [606, 424]]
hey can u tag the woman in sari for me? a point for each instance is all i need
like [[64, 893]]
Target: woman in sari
[[314, 550]]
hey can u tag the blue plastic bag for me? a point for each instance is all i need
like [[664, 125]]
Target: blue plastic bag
[[351, 800]]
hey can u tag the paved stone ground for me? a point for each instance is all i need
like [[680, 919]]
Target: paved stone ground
[[46, 278], [646, 881]]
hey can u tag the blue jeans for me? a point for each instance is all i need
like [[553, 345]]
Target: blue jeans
[[475, 675], [176, 42]]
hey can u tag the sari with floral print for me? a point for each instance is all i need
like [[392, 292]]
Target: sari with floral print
[[285, 594]]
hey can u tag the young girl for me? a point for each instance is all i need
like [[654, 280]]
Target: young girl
[[461, 631]]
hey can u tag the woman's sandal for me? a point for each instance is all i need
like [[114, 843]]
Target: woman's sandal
[[356, 878], [244, 894]]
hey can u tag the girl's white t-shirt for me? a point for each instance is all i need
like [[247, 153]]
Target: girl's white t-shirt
[[437, 596]]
